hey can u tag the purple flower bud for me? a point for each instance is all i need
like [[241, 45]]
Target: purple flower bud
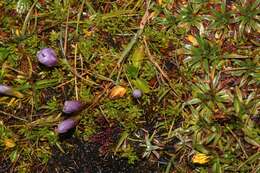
[[47, 56], [66, 125], [9, 91], [137, 93], [4, 89], [71, 106]]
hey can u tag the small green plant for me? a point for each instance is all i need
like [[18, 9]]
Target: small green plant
[[149, 147], [221, 18], [209, 96], [130, 154], [189, 16], [204, 56], [248, 16]]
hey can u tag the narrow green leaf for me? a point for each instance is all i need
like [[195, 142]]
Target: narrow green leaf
[[239, 94], [236, 105], [216, 139], [13, 156], [206, 65], [192, 101], [142, 85], [132, 71], [211, 138], [216, 80], [46, 83], [138, 56], [4, 52], [121, 140], [201, 148], [252, 141], [216, 166], [250, 97], [251, 159]]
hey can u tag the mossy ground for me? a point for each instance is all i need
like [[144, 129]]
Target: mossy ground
[[196, 62]]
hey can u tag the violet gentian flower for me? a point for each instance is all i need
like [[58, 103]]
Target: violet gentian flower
[[66, 125], [71, 106], [4, 89], [47, 57], [9, 91], [137, 93]]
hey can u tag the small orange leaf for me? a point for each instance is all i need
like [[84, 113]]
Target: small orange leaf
[[192, 39], [9, 143], [117, 92]]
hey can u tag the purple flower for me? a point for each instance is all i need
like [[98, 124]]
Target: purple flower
[[137, 93], [47, 57], [71, 106], [66, 125], [4, 89], [9, 91]]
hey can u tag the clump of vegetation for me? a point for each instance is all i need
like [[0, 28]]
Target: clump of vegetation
[[170, 83]]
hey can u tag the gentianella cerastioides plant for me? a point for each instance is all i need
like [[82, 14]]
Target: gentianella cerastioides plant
[[71, 109]]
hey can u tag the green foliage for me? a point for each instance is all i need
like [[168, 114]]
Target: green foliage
[[123, 111], [248, 16], [204, 56], [200, 94], [117, 20], [23, 6], [129, 153], [149, 71], [52, 105], [138, 56], [4, 52], [40, 134], [86, 47], [4, 132], [59, 9], [54, 36], [221, 18], [189, 15], [132, 71], [85, 94], [142, 85]]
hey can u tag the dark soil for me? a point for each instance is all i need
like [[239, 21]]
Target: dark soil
[[84, 157], [5, 165]]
